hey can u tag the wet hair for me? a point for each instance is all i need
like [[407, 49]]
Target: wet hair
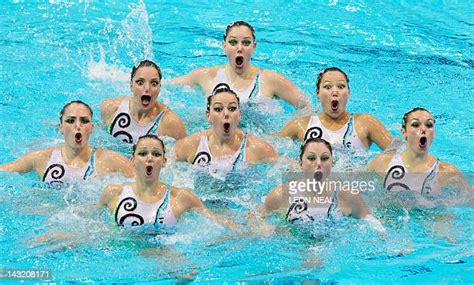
[[70, 103], [238, 24], [144, 63], [405, 116], [221, 88], [322, 72], [154, 137], [314, 140]]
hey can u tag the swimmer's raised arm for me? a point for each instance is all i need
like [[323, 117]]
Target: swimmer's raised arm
[[377, 131], [173, 125], [111, 161], [185, 148], [28, 162], [259, 150], [189, 202], [108, 108], [285, 89], [294, 128]]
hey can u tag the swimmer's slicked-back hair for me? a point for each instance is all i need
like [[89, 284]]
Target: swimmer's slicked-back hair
[[322, 72], [153, 137], [238, 24], [144, 63], [221, 88], [314, 140], [405, 116], [70, 103]]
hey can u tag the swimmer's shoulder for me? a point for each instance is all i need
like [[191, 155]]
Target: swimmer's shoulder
[[259, 150], [380, 162], [109, 107], [111, 194], [186, 147], [295, 128], [183, 200]]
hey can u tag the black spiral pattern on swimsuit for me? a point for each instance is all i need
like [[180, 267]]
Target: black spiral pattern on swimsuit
[[396, 172], [123, 120], [57, 172], [314, 132], [202, 159], [296, 211], [129, 205]]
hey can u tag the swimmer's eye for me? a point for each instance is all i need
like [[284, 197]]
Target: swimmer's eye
[[415, 124], [217, 109], [155, 83], [325, 158], [85, 120], [247, 43], [327, 86], [232, 108], [341, 86], [143, 153], [70, 120], [232, 42], [156, 154], [139, 82], [311, 158], [429, 125]]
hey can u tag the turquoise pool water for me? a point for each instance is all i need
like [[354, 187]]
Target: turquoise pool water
[[397, 56]]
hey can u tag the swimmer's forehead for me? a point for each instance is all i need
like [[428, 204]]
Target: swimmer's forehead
[[317, 147], [223, 98], [420, 115], [147, 72], [149, 143], [333, 76], [240, 32], [76, 110]]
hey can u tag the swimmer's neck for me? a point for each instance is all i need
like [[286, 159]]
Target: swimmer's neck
[[414, 159], [236, 75], [342, 119], [140, 114], [69, 154], [148, 188], [214, 138]]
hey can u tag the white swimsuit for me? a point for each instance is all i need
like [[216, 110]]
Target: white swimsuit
[[57, 172], [132, 212], [126, 128], [299, 212], [246, 94], [399, 179]]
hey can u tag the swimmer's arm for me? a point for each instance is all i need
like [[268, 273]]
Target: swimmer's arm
[[377, 131], [110, 196], [108, 108], [452, 176], [259, 150], [359, 209], [110, 161], [27, 162], [185, 148], [193, 203], [283, 88], [291, 129], [172, 126], [380, 163], [194, 78]]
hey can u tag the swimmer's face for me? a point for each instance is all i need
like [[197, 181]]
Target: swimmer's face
[[316, 161], [420, 132], [76, 125], [149, 158], [224, 114], [239, 46], [333, 92], [145, 87]]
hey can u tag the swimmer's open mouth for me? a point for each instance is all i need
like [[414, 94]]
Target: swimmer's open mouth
[[423, 142], [226, 128], [318, 176], [149, 170], [78, 137], [334, 105], [146, 99], [239, 61]]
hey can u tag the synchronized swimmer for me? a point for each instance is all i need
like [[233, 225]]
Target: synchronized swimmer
[[147, 203]]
